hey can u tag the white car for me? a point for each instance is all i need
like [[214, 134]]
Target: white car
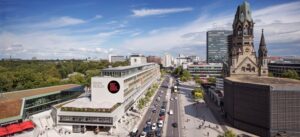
[[175, 98], [153, 127], [171, 99], [160, 123], [143, 134], [171, 112]]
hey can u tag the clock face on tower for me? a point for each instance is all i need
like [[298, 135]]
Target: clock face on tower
[[247, 50], [113, 87]]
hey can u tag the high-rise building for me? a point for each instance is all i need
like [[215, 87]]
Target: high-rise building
[[167, 60], [217, 46]]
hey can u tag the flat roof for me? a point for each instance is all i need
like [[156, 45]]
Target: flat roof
[[263, 80], [11, 102], [126, 67], [85, 102]]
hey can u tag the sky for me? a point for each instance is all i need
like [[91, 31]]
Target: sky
[[66, 29]]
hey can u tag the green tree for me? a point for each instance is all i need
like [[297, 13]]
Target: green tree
[[290, 74], [211, 80], [270, 74], [77, 79], [228, 133], [197, 93], [6, 81], [198, 80]]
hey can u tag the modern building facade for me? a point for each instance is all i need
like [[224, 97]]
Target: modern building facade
[[205, 71], [217, 46], [136, 59], [112, 95], [264, 106], [116, 58], [279, 67], [18, 105]]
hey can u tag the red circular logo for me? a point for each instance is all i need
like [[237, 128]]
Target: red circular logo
[[113, 87]]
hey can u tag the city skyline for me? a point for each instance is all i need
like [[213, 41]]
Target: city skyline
[[50, 30]]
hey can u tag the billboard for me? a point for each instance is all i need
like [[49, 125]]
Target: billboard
[[107, 89]]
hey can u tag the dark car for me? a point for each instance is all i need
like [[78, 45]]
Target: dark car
[[174, 125], [158, 132], [150, 134]]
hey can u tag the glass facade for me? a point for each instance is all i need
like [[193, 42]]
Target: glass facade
[[217, 46]]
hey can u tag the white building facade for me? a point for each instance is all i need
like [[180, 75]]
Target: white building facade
[[112, 95]]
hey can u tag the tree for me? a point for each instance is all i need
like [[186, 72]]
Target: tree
[[228, 133], [290, 74], [198, 80], [197, 93], [270, 74], [212, 80], [77, 79]]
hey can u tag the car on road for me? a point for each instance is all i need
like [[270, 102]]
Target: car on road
[[171, 99], [143, 134], [171, 112], [150, 134], [154, 110], [160, 123], [153, 127], [174, 125], [148, 121], [134, 132], [161, 118], [158, 132], [175, 98]]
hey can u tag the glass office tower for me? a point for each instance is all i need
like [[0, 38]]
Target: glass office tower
[[217, 42]]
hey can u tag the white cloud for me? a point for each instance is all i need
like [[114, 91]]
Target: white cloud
[[281, 24], [60, 22], [150, 12]]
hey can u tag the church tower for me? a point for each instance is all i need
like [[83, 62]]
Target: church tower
[[242, 56], [262, 57]]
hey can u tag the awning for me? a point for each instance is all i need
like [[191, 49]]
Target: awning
[[3, 131], [13, 128], [26, 125]]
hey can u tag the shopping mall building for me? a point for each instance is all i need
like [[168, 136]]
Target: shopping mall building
[[112, 94]]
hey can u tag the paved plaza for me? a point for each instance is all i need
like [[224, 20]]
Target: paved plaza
[[197, 119]]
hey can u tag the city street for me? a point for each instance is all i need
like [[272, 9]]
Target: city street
[[174, 118], [154, 104]]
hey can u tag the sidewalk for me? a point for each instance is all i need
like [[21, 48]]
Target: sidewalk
[[195, 115]]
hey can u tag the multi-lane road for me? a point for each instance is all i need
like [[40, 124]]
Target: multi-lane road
[[165, 95]]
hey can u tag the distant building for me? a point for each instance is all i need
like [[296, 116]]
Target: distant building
[[137, 59], [205, 70], [117, 59], [279, 67], [154, 59], [167, 60], [217, 46]]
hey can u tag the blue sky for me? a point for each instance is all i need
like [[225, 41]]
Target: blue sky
[[79, 29]]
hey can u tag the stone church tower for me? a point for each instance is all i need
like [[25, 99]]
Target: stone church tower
[[242, 55], [262, 57]]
